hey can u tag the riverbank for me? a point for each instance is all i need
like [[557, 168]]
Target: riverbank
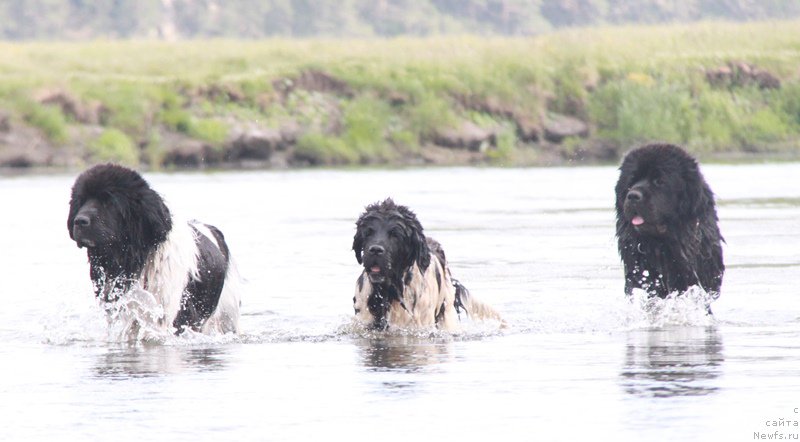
[[581, 96]]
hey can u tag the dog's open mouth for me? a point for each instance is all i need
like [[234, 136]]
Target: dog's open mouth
[[375, 274], [652, 227]]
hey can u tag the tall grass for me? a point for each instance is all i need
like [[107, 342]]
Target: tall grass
[[631, 84]]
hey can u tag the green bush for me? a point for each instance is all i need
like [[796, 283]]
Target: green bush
[[429, 113], [405, 140], [114, 145], [209, 130], [49, 119], [319, 149], [177, 119], [131, 105], [788, 101], [365, 121], [314, 110], [154, 151], [170, 99], [570, 93], [506, 146], [764, 126], [719, 121], [630, 112]]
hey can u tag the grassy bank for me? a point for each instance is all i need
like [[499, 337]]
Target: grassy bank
[[390, 101]]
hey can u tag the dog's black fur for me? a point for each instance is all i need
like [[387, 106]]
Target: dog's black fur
[[121, 221], [667, 230], [406, 280], [462, 294], [388, 240]]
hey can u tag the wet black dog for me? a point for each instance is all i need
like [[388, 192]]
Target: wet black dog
[[406, 282], [667, 230], [135, 246]]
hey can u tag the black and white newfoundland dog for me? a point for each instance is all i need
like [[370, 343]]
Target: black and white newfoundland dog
[[406, 283], [667, 230], [149, 269]]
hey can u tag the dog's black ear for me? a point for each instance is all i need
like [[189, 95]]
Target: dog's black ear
[[418, 246], [358, 238], [156, 216], [358, 244], [421, 251], [76, 200], [74, 206], [696, 197], [145, 215]]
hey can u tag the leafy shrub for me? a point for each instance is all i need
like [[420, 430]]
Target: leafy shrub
[[319, 149], [49, 119], [764, 126], [719, 121], [209, 130], [788, 100], [114, 145], [176, 119], [365, 121], [430, 113], [405, 140], [630, 112], [131, 105], [506, 146]]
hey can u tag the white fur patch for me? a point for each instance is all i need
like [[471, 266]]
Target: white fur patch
[[204, 230], [154, 301], [167, 270], [423, 298]]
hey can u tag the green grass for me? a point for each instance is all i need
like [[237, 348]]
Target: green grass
[[209, 130], [114, 145], [319, 149], [48, 119], [631, 84]]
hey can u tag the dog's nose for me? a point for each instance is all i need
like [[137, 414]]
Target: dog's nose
[[82, 221], [376, 250], [634, 195]]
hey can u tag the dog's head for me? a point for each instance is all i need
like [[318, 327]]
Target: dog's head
[[660, 188], [389, 240], [113, 210]]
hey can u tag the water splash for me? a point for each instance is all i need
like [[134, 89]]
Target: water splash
[[136, 316], [605, 312], [690, 308], [135, 319], [468, 330]]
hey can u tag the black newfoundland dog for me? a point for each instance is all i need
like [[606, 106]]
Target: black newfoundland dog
[[667, 231], [406, 282], [141, 257]]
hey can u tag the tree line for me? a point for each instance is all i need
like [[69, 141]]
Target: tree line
[[252, 19]]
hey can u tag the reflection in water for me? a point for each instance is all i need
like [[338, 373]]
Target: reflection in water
[[668, 362], [401, 356], [134, 362], [405, 353]]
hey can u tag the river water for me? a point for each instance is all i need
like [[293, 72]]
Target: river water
[[576, 362]]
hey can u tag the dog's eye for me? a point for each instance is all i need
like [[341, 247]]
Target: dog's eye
[[658, 182], [396, 232], [368, 232]]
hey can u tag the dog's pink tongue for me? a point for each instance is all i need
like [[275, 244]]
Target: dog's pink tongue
[[375, 269], [637, 221]]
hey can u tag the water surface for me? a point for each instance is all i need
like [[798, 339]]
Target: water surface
[[577, 362]]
